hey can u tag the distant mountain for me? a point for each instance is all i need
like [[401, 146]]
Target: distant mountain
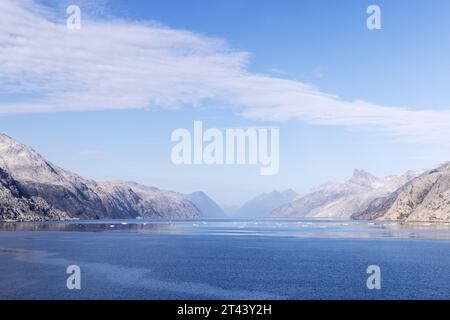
[[424, 198], [343, 199], [53, 193], [264, 204], [208, 208]]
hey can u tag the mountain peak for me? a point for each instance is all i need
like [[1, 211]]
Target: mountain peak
[[364, 178], [24, 163], [9, 145], [207, 206], [4, 136], [357, 173], [199, 194], [289, 193], [444, 167]]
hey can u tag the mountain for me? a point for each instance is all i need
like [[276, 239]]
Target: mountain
[[264, 204], [34, 189], [343, 199], [208, 208], [30, 177], [16, 206], [424, 198]]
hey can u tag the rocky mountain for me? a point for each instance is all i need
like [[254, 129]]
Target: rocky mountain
[[264, 204], [343, 199], [208, 208], [34, 189], [424, 198], [16, 206], [28, 176]]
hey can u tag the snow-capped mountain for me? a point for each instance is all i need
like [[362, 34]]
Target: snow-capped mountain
[[207, 206], [71, 195], [424, 198], [264, 204], [343, 199]]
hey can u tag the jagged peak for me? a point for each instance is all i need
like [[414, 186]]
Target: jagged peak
[[364, 178], [444, 166], [358, 173], [361, 174]]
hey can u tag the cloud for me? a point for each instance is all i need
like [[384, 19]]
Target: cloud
[[118, 64], [107, 64]]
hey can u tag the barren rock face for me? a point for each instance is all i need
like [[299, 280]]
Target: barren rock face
[[16, 206], [343, 199], [48, 192], [425, 198]]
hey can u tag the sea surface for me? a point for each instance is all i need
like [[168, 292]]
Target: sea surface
[[225, 259]]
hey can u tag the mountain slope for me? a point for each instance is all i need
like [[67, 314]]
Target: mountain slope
[[77, 197], [345, 198], [15, 206], [424, 198], [264, 204], [208, 207]]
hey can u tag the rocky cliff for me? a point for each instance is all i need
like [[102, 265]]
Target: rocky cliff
[[424, 198], [343, 199]]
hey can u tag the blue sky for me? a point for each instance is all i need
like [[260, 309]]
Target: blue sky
[[401, 73]]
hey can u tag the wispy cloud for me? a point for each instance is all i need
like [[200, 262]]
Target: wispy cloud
[[117, 64]]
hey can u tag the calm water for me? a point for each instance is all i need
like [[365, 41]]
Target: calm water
[[245, 259]]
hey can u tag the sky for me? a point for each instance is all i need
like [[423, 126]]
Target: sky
[[103, 101]]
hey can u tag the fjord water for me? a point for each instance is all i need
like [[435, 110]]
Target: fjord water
[[224, 259]]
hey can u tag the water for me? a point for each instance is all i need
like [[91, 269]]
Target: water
[[240, 259]]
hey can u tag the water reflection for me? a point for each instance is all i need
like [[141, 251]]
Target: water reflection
[[87, 226], [24, 255], [264, 227]]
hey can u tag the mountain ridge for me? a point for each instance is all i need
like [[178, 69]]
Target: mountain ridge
[[343, 199], [79, 198], [34, 189], [424, 198]]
